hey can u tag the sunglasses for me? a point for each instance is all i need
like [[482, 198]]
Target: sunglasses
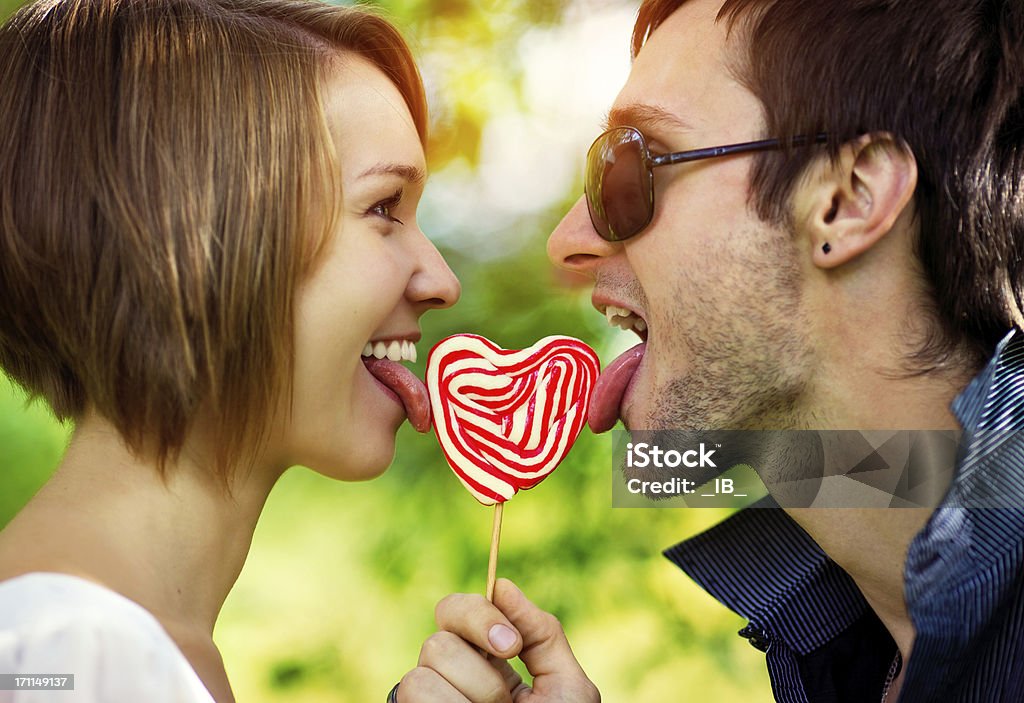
[[619, 180]]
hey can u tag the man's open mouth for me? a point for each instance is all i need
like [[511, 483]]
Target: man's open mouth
[[611, 387], [626, 320]]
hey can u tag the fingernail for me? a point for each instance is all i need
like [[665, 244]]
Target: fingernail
[[501, 637]]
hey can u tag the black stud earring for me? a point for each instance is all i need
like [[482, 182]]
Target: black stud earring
[[826, 248]]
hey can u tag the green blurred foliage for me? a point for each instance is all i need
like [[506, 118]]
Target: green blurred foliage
[[31, 444], [340, 586]]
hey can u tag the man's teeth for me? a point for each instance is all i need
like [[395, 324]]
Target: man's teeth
[[624, 319], [394, 350]]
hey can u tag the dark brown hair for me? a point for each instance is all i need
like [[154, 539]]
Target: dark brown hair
[[946, 79], [165, 170]]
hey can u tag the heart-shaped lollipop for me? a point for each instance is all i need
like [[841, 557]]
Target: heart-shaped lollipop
[[505, 418]]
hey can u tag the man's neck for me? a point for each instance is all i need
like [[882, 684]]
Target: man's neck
[[871, 545]]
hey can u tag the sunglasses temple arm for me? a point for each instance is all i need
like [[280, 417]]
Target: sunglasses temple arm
[[745, 147]]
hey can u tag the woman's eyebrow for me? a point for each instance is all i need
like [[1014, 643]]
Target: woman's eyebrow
[[413, 174]]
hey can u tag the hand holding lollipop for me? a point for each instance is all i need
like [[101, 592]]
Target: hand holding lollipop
[[506, 418]]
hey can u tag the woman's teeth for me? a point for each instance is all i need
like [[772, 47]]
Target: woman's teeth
[[395, 350], [624, 319]]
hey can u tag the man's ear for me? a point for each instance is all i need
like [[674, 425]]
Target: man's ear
[[848, 204]]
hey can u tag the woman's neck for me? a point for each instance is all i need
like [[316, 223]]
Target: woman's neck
[[173, 545]]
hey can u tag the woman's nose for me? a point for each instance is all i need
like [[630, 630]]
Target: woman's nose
[[433, 285]]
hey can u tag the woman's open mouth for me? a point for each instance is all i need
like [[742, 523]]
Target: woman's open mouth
[[382, 359]]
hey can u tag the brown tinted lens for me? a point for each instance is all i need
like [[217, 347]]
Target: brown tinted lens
[[618, 184]]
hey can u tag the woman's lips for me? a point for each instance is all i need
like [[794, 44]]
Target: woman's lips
[[406, 386], [606, 401]]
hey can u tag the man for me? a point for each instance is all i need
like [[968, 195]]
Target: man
[[857, 272]]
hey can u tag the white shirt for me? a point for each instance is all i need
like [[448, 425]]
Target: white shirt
[[56, 624]]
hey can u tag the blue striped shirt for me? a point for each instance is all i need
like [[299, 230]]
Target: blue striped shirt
[[964, 576]]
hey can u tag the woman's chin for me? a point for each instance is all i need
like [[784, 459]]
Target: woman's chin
[[364, 465]]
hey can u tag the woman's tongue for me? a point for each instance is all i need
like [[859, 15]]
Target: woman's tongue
[[606, 399], [406, 386]]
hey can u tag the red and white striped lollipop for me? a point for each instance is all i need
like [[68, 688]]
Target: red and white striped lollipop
[[505, 418]]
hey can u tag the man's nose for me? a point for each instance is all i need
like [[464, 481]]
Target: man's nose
[[575, 245]]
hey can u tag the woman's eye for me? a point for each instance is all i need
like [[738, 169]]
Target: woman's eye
[[384, 207]]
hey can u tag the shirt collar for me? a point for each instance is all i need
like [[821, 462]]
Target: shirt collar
[[762, 565], [994, 395]]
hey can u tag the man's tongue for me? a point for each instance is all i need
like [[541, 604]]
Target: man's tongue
[[406, 386], [610, 387]]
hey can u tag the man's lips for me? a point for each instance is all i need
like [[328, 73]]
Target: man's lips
[[606, 401], [614, 382], [409, 389]]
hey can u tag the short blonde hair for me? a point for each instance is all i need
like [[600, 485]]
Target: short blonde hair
[[164, 169]]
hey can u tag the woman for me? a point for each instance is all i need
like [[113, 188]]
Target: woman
[[209, 261]]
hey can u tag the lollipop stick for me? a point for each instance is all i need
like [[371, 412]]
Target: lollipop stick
[[492, 564]]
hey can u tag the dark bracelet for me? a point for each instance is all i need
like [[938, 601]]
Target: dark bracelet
[[393, 694]]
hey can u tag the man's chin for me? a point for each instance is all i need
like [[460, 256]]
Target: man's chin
[[637, 419], [631, 414]]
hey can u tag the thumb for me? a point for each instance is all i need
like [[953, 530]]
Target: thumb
[[545, 650]]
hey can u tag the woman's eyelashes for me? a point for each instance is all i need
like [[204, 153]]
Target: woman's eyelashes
[[384, 207]]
